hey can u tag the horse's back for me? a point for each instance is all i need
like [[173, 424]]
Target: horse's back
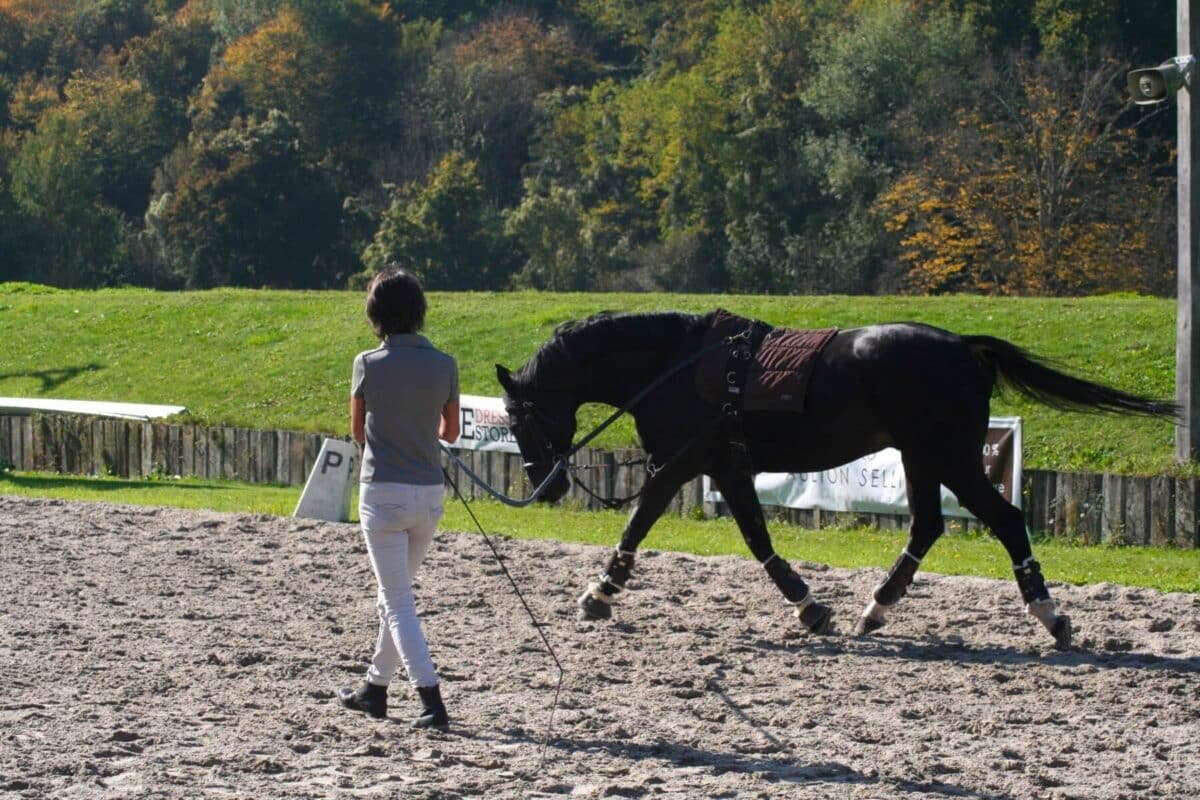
[[913, 372], [879, 386]]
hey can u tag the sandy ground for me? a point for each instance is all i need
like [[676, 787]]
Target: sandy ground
[[164, 653]]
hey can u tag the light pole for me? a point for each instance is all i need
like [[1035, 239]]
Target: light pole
[[1155, 85], [1187, 344]]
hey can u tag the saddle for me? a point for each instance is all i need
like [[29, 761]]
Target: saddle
[[763, 368]]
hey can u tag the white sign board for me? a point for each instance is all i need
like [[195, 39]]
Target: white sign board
[[326, 494], [95, 408], [484, 425], [875, 483]]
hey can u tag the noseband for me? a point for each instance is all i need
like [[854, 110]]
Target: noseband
[[527, 416]]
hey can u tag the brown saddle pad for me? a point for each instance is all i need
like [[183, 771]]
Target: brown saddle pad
[[776, 378]]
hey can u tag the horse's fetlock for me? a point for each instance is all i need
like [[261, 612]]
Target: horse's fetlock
[[601, 592], [620, 567], [889, 592], [791, 585], [899, 578], [1030, 581]]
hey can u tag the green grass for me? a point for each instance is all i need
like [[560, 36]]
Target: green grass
[[275, 359], [956, 554], [191, 493], [281, 359]]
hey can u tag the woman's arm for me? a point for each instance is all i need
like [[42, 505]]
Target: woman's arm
[[358, 419], [449, 429]]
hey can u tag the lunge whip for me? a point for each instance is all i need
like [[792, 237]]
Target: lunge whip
[[537, 625]]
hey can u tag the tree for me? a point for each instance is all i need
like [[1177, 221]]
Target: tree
[[482, 90], [445, 231], [243, 207], [171, 63], [84, 172], [329, 65], [564, 243]]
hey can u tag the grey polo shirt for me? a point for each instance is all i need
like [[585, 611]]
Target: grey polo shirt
[[406, 383]]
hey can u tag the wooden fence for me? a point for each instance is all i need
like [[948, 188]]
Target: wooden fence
[[1158, 510]]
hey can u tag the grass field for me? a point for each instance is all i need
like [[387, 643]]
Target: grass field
[[956, 554], [274, 359]]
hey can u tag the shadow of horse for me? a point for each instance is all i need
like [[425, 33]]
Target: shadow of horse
[[776, 770], [780, 769], [904, 648]]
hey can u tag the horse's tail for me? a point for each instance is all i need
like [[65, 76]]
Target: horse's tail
[[1012, 367]]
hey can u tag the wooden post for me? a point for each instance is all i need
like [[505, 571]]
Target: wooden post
[[1187, 341]]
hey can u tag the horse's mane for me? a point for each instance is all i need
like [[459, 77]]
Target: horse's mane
[[607, 332]]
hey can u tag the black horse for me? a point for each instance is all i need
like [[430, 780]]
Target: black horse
[[920, 389]]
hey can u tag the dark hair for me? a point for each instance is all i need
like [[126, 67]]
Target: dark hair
[[395, 302]]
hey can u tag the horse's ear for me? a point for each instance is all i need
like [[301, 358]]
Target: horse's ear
[[505, 377]]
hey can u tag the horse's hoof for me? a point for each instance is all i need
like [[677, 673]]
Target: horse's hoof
[[1062, 632], [816, 618], [867, 625], [592, 609]]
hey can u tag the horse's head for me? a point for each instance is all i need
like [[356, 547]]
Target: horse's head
[[544, 426]]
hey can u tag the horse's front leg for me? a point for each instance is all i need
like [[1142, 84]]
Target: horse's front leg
[[737, 487], [596, 602]]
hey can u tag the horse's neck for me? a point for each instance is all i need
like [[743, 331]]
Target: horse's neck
[[614, 376]]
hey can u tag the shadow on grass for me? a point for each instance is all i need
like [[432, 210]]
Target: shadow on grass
[[53, 378]]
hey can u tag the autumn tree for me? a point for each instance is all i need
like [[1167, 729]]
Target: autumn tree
[[328, 65], [482, 90], [1031, 191]]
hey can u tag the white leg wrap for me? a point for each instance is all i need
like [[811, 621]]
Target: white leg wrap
[[802, 604], [594, 590], [607, 578], [874, 612], [1045, 611]]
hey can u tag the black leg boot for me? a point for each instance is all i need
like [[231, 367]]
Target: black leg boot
[[368, 698], [433, 713]]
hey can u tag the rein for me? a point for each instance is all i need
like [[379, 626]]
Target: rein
[[562, 461]]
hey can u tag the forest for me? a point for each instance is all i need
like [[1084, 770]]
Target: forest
[[752, 146]]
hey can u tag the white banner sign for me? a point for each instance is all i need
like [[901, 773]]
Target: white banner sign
[[875, 483], [484, 425]]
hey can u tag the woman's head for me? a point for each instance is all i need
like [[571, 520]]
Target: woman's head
[[395, 302]]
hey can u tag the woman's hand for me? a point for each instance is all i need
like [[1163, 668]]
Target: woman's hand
[[449, 429], [358, 419]]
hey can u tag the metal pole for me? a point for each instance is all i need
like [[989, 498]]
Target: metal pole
[[1187, 342]]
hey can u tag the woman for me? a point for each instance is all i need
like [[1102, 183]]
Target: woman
[[404, 397]]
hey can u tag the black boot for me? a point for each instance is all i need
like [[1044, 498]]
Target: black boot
[[368, 698], [433, 713]]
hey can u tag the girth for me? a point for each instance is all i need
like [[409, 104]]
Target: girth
[[763, 369]]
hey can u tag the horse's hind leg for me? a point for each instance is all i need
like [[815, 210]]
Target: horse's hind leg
[[977, 494], [737, 487], [925, 505]]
